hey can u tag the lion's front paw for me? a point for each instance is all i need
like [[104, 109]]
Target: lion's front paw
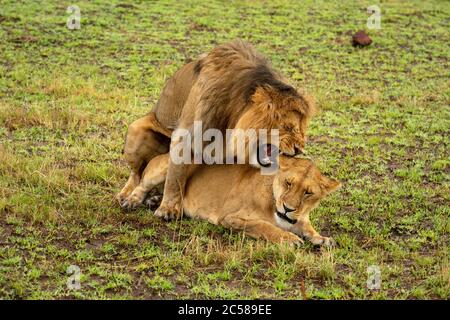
[[133, 201], [292, 240], [323, 241], [121, 197], [168, 212]]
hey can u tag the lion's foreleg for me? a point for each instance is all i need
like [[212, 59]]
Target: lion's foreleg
[[177, 173], [257, 228], [171, 204], [305, 228]]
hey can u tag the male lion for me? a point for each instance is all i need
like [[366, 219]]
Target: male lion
[[231, 87], [274, 207]]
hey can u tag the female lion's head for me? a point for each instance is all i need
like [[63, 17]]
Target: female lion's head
[[298, 188]]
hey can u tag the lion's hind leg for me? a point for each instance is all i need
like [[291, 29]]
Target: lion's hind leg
[[153, 175], [146, 138]]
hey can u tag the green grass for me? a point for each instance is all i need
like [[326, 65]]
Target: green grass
[[66, 98]]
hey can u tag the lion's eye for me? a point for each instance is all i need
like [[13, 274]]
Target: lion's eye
[[307, 194], [288, 183]]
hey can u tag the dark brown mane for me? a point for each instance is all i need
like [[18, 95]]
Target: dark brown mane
[[263, 76], [230, 75], [198, 67]]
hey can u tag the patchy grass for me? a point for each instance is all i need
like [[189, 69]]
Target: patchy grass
[[66, 98]]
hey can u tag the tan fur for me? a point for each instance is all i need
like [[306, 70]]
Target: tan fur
[[231, 87], [239, 197], [146, 138]]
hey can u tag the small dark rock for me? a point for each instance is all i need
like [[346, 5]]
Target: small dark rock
[[361, 38]]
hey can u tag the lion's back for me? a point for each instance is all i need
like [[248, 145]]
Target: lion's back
[[174, 95], [224, 80]]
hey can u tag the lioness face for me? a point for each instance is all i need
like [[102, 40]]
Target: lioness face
[[299, 186]]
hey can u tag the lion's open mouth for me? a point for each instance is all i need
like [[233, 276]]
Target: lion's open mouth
[[266, 155]]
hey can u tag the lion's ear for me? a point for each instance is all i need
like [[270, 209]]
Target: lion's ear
[[286, 163], [262, 97], [329, 185], [305, 105]]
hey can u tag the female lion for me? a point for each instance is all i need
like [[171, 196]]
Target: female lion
[[275, 207]]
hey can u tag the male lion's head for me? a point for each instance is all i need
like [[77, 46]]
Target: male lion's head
[[280, 106], [298, 188]]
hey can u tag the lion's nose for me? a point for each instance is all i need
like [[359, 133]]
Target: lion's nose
[[287, 209]]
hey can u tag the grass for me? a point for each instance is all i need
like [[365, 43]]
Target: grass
[[66, 98]]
